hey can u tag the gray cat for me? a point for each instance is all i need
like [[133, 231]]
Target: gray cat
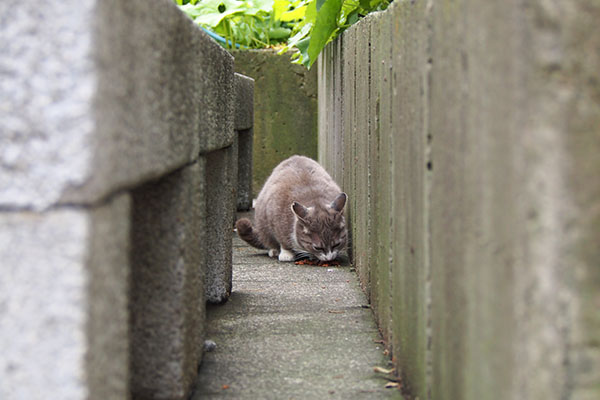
[[299, 212]]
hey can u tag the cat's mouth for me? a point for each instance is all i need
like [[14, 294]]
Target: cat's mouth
[[315, 257], [332, 255]]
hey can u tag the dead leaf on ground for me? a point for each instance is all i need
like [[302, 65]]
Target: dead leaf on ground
[[391, 385], [384, 370]]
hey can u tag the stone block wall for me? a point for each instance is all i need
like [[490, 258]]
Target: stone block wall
[[285, 121], [114, 118], [244, 124], [467, 135]]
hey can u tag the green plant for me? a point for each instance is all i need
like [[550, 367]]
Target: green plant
[[249, 24], [304, 25], [324, 20]]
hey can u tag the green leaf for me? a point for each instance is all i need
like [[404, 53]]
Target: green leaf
[[293, 41], [311, 12], [325, 26], [293, 15], [302, 47], [353, 17], [279, 33], [258, 7], [191, 10], [212, 12], [348, 8], [280, 7]]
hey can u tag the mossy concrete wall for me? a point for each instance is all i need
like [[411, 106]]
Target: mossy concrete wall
[[285, 109], [467, 137]]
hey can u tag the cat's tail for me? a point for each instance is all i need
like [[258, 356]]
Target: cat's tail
[[245, 231]]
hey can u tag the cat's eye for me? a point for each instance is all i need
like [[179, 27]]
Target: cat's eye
[[336, 245], [319, 248]]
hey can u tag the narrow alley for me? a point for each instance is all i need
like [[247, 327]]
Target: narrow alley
[[292, 332]]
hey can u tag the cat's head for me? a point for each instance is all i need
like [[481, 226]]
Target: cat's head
[[321, 231]]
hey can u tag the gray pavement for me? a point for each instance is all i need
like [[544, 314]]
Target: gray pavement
[[292, 332]]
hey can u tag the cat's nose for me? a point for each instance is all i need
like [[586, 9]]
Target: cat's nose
[[330, 256]]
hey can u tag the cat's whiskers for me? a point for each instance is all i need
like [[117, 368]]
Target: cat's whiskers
[[300, 254]]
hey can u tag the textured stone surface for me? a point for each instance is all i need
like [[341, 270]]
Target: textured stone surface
[[244, 120], [244, 170], [59, 336], [381, 174], [285, 109], [221, 177], [481, 134], [46, 121], [244, 102], [331, 138], [117, 92], [409, 237], [361, 167], [167, 306], [348, 115]]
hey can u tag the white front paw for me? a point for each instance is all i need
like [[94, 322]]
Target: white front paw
[[273, 253], [286, 255]]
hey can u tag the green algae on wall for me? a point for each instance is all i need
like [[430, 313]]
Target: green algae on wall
[[285, 109]]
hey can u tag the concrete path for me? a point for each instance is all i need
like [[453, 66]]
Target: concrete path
[[292, 332]]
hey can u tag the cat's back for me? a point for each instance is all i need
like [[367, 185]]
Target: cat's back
[[297, 178], [300, 171], [295, 165]]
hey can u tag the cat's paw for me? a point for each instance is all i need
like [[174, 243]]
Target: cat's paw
[[286, 255], [273, 253]]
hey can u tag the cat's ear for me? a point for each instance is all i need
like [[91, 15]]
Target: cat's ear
[[339, 202], [300, 211]]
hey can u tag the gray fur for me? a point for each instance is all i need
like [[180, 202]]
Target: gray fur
[[299, 209]]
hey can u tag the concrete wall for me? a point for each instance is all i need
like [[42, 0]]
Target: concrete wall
[[285, 109], [111, 114], [467, 137]]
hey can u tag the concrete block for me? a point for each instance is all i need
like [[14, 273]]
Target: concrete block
[[330, 135], [324, 102], [167, 301], [244, 169], [244, 120], [337, 120], [244, 102], [348, 112], [361, 165], [116, 93], [221, 186], [409, 194], [381, 181], [285, 109], [63, 296]]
